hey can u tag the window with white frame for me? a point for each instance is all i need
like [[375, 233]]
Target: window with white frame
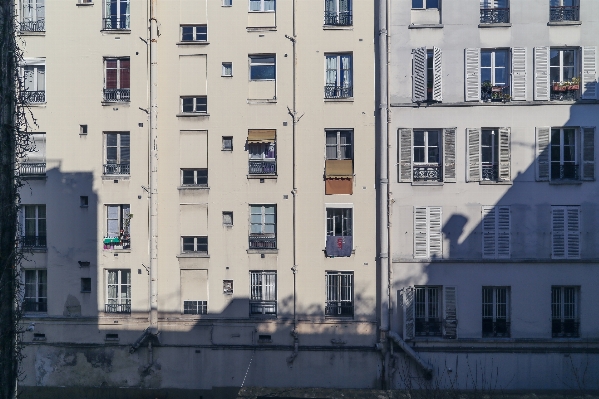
[[494, 73], [227, 69], [194, 33], [263, 227], [497, 75], [494, 11], [339, 144], [565, 153], [33, 16], [117, 81], [564, 10], [117, 15], [33, 226], [429, 311], [34, 161], [338, 12], [496, 231], [565, 232], [427, 155], [339, 240], [565, 318], [118, 227], [262, 5], [33, 73], [340, 294], [36, 291], [488, 154], [496, 312], [194, 177], [425, 4], [262, 158], [427, 232], [194, 245], [227, 3], [338, 76], [195, 307], [118, 291], [262, 67], [118, 153], [191, 105], [263, 293], [427, 75], [564, 73]]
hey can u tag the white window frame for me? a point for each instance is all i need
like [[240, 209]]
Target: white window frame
[[196, 104], [562, 148], [428, 235], [565, 306], [426, 146], [39, 286], [263, 289], [195, 33], [253, 60], [262, 5], [339, 294], [37, 219], [263, 223], [494, 132], [119, 14], [494, 66], [120, 301], [561, 66], [339, 147], [347, 219], [195, 177], [227, 3], [119, 219], [500, 309], [227, 66], [195, 307], [120, 169], [566, 232], [487, 4], [196, 244], [118, 71], [425, 5], [34, 16], [37, 65], [561, 3], [340, 82]]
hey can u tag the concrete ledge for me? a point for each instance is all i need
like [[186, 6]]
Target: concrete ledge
[[564, 23], [508, 25], [425, 26]]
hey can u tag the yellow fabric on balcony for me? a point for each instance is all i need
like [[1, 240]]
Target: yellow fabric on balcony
[[339, 168], [261, 135]]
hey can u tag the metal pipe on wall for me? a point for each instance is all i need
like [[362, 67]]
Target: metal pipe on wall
[[153, 170]]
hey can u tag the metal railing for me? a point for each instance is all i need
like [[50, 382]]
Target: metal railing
[[564, 94], [564, 172], [494, 15], [490, 172], [117, 169], [339, 309], [262, 167], [33, 241], [33, 26], [342, 18], [117, 308], [260, 242], [31, 97], [32, 305], [117, 95], [430, 172], [430, 328], [565, 328], [494, 93], [32, 168], [564, 13], [332, 91], [263, 308], [116, 23], [498, 328]]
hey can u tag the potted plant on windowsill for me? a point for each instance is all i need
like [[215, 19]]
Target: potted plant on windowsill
[[568, 85]]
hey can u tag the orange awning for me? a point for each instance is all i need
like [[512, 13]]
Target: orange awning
[[261, 135]]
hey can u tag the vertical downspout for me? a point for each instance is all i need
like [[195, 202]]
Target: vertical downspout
[[153, 170]]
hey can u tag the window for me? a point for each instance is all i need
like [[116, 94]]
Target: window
[[195, 307], [227, 143], [340, 294], [559, 74], [261, 144], [33, 74], [339, 167], [338, 12], [118, 291], [227, 3], [565, 319], [33, 16], [494, 12], [564, 74], [496, 312], [338, 76], [488, 72], [117, 85], [83, 201], [262, 5], [194, 104], [194, 33], [227, 218], [117, 154], [339, 144], [339, 232], [86, 284], [565, 154], [488, 154], [82, 129], [262, 67], [118, 227], [33, 226], [425, 4], [194, 245], [563, 10], [427, 75], [228, 287], [194, 177], [496, 231], [427, 305], [116, 15], [263, 293], [227, 69], [427, 232], [494, 72], [36, 291], [34, 162], [427, 155], [565, 232], [429, 311], [263, 227]]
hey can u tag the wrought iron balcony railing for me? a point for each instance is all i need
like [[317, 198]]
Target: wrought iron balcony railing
[[498, 328], [33, 26], [32, 97], [262, 242], [117, 169], [564, 13], [494, 93], [568, 328], [342, 18], [32, 169], [121, 95], [339, 309], [116, 23], [117, 308], [332, 91], [262, 167], [494, 15], [430, 328], [32, 305], [28, 241], [429, 172], [490, 172], [564, 172], [263, 308]]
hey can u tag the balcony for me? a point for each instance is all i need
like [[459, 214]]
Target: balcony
[[564, 13], [564, 172], [33, 97], [31, 305], [333, 18], [116, 23], [490, 172], [490, 93], [117, 95], [28, 169], [339, 309], [263, 308], [117, 308], [262, 241], [263, 167], [33, 241], [430, 328], [122, 242], [494, 15], [569, 328], [117, 169], [428, 172], [332, 91], [565, 91], [499, 328], [33, 26]]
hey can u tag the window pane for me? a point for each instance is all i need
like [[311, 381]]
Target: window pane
[[188, 177], [433, 139], [485, 58], [261, 72], [418, 138], [554, 57], [188, 105], [432, 3], [254, 5], [501, 59], [417, 3], [187, 33], [568, 57]]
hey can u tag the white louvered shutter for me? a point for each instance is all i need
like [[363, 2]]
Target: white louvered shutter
[[588, 153], [420, 232], [405, 155], [589, 73], [472, 79], [542, 144], [450, 319], [435, 236], [503, 232], [408, 312], [473, 171], [489, 233], [504, 154], [541, 91], [558, 232], [438, 75], [419, 72], [573, 232], [449, 155], [519, 73]]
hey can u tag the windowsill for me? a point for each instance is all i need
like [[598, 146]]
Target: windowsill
[[563, 23], [116, 177], [35, 177], [193, 188], [84, 4], [226, 76], [116, 31], [192, 43], [265, 341], [34, 250], [193, 255], [427, 183], [32, 33], [497, 25], [353, 252], [118, 251], [38, 339], [425, 26], [565, 182], [37, 104], [262, 251], [110, 103], [339, 100], [262, 100], [273, 177], [261, 28], [193, 115], [495, 183], [338, 27]]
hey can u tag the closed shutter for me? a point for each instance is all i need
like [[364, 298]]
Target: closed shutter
[[450, 322], [558, 232], [589, 73], [420, 232], [519, 73], [503, 232], [419, 71], [588, 153], [472, 80], [438, 75], [542, 144], [496, 231], [449, 155], [489, 232], [405, 155], [473, 137], [573, 232], [504, 154], [408, 312], [434, 232], [541, 91]]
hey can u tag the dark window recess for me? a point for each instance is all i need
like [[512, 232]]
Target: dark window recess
[[195, 244], [112, 337], [82, 129], [227, 143], [84, 201], [195, 177], [86, 284]]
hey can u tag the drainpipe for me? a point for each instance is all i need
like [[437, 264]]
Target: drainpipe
[[427, 369], [153, 169]]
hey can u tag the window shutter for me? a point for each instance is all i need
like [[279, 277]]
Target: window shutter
[[419, 71], [504, 154], [405, 155], [408, 313], [472, 74], [543, 135], [573, 231], [519, 73], [589, 73], [588, 153], [420, 232], [473, 136], [541, 73], [558, 227], [450, 323], [438, 75], [449, 155], [489, 232], [434, 232], [503, 232]]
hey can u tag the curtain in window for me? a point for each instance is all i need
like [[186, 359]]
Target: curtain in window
[[254, 5], [113, 281], [125, 290], [269, 220], [113, 229], [331, 146], [269, 5], [346, 77], [331, 70], [125, 74], [125, 149], [30, 283], [111, 74], [42, 286], [34, 77], [126, 212], [344, 5], [330, 5]]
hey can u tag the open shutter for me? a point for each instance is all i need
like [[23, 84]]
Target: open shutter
[[489, 232], [558, 229], [420, 232], [438, 75], [450, 322], [405, 155], [588, 153], [419, 71], [473, 137], [542, 143], [589, 73], [472, 80], [573, 232], [503, 231], [449, 155], [434, 232], [504, 154], [519, 73], [541, 73], [408, 313]]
